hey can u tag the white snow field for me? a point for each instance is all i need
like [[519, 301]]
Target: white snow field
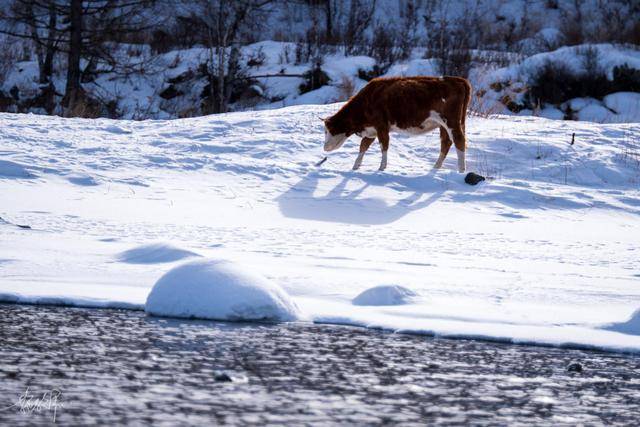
[[546, 251]]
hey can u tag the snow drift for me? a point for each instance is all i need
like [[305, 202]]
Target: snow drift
[[506, 90], [153, 253], [219, 290], [631, 326], [10, 169], [385, 295]]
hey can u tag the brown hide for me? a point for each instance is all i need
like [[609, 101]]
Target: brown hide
[[405, 103]]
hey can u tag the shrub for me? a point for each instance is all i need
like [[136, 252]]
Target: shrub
[[370, 74], [555, 83], [383, 47], [346, 88], [161, 41], [625, 79], [315, 78], [511, 105], [257, 58]]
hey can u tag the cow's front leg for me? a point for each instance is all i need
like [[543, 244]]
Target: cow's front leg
[[364, 146], [383, 137]]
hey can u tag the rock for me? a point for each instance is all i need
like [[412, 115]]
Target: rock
[[181, 78], [574, 367], [473, 178], [223, 377], [170, 93]]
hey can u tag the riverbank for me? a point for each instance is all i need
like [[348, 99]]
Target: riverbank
[[123, 367]]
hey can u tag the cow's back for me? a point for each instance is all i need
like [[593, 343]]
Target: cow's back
[[408, 101]]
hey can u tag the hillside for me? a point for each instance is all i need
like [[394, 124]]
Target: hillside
[[555, 59], [543, 252]]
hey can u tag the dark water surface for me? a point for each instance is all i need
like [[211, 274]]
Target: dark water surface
[[111, 367]]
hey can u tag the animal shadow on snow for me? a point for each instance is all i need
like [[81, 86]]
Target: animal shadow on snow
[[350, 206], [355, 200]]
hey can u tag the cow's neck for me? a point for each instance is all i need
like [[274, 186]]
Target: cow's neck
[[350, 118]]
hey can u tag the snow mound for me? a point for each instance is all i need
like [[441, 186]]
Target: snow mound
[[154, 253], [631, 326], [219, 290], [10, 169], [82, 180], [385, 295], [626, 104], [595, 113]]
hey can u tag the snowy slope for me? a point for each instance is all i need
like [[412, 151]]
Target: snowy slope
[[278, 79], [546, 252], [512, 81]]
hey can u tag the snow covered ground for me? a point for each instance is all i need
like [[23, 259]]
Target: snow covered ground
[[545, 251]]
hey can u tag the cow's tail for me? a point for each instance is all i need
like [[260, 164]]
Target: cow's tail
[[465, 104]]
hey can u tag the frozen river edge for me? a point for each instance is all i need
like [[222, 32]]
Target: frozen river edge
[[125, 367]]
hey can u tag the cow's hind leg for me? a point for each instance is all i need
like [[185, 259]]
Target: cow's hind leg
[[364, 146], [383, 137], [445, 144], [460, 142]]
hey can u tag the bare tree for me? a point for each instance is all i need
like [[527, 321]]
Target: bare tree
[[572, 24], [77, 28], [360, 15], [449, 40], [40, 23], [224, 22], [408, 35], [329, 11]]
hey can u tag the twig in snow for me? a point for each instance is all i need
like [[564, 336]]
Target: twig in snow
[[26, 227]]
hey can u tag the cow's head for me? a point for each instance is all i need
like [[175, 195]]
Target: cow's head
[[333, 136]]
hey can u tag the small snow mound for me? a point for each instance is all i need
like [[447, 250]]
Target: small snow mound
[[154, 253], [384, 295], [117, 129], [82, 180], [10, 169], [219, 290], [626, 104], [631, 326]]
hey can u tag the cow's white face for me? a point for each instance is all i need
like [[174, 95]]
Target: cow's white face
[[333, 142]]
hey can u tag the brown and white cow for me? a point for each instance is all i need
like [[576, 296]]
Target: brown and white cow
[[414, 105]]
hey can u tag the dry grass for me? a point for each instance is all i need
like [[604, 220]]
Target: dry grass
[[83, 108], [487, 166], [346, 88], [629, 154], [481, 106]]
